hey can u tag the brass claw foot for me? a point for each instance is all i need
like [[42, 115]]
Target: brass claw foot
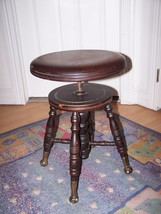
[[44, 161], [74, 194], [127, 167], [73, 199]]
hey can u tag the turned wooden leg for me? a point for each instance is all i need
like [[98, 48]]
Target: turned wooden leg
[[84, 135], [75, 158], [91, 120], [120, 143], [49, 135]]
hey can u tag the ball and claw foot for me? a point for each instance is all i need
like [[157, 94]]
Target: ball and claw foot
[[127, 167], [128, 170], [73, 199], [44, 161]]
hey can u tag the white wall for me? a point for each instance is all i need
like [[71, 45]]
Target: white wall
[[30, 28], [140, 40], [53, 25], [13, 88]]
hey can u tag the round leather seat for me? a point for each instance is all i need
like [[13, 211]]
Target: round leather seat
[[78, 65]]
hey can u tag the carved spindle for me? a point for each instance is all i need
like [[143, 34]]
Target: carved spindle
[[84, 134], [120, 143], [49, 136], [75, 159], [91, 125]]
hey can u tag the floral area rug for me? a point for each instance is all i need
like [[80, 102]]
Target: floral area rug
[[28, 188]]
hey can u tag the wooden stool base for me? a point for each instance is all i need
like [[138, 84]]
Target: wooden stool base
[[82, 106]]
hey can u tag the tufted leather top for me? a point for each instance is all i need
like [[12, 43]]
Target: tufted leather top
[[78, 65]]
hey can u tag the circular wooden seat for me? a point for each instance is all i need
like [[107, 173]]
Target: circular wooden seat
[[78, 65], [66, 98]]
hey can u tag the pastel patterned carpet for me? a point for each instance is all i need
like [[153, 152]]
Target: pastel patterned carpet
[[28, 188]]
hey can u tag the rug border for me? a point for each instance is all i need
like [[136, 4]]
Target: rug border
[[21, 127], [144, 127]]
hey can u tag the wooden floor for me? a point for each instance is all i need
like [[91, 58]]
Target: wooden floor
[[15, 116]]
